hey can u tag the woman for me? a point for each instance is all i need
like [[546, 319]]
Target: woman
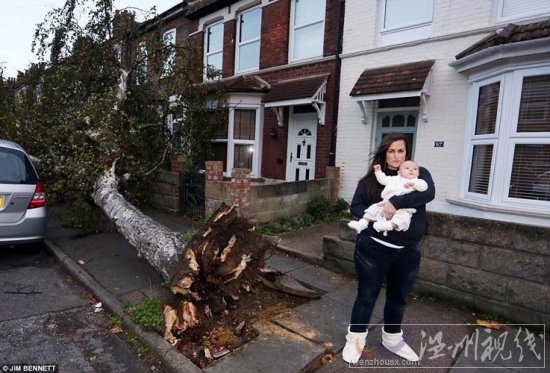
[[394, 258]]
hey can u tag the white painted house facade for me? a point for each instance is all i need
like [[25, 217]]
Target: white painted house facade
[[480, 123]]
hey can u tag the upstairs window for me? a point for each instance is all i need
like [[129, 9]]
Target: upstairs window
[[214, 50], [509, 10], [307, 29], [141, 61], [406, 13], [405, 20], [169, 39], [248, 40]]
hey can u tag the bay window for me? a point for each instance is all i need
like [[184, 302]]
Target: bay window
[[236, 144], [508, 162]]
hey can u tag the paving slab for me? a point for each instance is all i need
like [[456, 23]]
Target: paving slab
[[124, 273], [307, 243], [322, 321], [275, 350], [347, 293], [319, 277], [283, 263]]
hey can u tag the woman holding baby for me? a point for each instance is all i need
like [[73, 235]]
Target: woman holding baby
[[389, 255]]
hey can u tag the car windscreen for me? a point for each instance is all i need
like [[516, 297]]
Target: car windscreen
[[16, 168]]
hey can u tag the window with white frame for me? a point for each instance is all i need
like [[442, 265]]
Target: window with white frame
[[509, 10], [398, 115], [141, 60], [117, 51], [213, 46], [508, 162], [248, 40], [307, 29], [405, 20], [236, 143], [169, 39]]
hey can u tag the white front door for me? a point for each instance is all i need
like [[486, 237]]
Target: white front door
[[301, 147]]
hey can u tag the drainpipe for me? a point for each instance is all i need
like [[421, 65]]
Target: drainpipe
[[338, 38]]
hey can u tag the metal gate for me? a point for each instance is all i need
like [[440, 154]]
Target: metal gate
[[192, 194]]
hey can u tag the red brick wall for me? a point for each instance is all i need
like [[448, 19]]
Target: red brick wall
[[197, 43], [275, 34], [331, 26], [229, 34], [274, 149]]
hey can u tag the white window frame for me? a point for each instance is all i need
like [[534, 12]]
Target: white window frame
[[142, 66], [293, 29], [231, 141], [406, 32], [206, 53], [539, 11], [239, 44], [397, 110], [504, 140], [166, 36]]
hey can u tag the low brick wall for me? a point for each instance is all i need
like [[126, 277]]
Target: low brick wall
[[274, 202], [264, 202], [164, 191], [498, 267]]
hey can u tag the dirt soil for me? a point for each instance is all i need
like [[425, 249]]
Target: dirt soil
[[235, 328]]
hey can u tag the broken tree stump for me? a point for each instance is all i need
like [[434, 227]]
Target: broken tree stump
[[223, 260]]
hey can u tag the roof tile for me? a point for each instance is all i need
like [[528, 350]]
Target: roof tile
[[397, 78], [511, 33], [295, 89]]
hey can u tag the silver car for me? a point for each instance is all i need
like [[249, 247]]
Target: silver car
[[22, 197]]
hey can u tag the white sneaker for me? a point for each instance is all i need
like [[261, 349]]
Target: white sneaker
[[355, 342], [395, 343]]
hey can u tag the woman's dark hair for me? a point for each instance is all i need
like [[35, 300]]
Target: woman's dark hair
[[379, 157]]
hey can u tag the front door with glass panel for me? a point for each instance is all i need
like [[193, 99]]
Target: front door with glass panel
[[301, 147]]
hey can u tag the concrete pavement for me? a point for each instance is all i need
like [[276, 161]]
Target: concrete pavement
[[308, 338]]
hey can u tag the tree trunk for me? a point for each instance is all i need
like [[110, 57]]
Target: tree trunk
[[153, 241]]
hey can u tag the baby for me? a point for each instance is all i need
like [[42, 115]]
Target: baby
[[405, 182]]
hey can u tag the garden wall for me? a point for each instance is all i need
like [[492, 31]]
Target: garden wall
[[265, 201], [502, 268], [164, 192]]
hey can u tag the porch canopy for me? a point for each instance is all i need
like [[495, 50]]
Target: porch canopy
[[397, 81], [302, 91]]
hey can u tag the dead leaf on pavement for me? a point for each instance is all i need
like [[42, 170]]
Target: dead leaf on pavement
[[491, 324], [116, 330], [327, 358]]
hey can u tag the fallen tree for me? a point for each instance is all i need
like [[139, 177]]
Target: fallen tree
[[210, 272]]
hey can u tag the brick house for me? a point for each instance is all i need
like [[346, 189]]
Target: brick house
[[469, 83], [278, 60]]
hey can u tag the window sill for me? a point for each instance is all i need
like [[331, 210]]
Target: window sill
[[481, 206]]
